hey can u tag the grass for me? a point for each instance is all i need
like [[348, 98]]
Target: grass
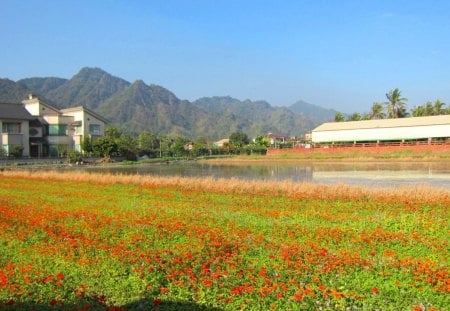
[[90, 241]]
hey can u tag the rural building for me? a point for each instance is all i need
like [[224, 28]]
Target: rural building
[[402, 129], [275, 139], [221, 143], [55, 132], [42, 130], [14, 123]]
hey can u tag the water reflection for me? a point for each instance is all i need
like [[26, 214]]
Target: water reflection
[[378, 174]]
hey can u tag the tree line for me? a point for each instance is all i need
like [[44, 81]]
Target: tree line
[[395, 107], [117, 143]]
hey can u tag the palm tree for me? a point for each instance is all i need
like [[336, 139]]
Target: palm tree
[[396, 105], [377, 111], [438, 107], [429, 109], [419, 111]]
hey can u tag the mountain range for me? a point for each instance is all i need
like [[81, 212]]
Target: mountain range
[[138, 107]]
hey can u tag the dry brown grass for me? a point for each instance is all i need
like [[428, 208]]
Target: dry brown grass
[[409, 194]]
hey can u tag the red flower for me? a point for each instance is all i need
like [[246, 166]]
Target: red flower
[[375, 291], [156, 302], [298, 296]]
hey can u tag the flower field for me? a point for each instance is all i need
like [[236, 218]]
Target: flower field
[[102, 242]]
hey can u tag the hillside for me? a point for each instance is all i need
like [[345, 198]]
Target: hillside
[[313, 111], [262, 117], [12, 92], [89, 87], [150, 107], [42, 86], [137, 106]]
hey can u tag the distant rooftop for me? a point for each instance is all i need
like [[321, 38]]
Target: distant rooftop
[[14, 112], [384, 123]]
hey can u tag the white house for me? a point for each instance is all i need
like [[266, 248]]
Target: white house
[[418, 128], [53, 132], [14, 126]]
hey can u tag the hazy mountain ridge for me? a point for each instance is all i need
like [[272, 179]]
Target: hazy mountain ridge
[[137, 106], [313, 111], [12, 92], [42, 85], [89, 87]]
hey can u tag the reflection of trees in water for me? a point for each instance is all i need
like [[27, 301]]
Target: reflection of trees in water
[[382, 166], [294, 171]]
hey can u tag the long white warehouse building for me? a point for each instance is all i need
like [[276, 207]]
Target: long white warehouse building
[[418, 128]]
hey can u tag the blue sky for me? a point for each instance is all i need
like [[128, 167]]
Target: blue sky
[[338, 54]]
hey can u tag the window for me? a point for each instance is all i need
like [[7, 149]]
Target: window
[[57, 129], [94, 129], [11, 128], [78, 130]]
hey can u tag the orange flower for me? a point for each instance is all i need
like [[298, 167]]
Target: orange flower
[[298, 296]]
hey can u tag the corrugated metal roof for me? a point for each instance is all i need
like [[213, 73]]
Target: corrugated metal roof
[[384, 123], [14, 112]]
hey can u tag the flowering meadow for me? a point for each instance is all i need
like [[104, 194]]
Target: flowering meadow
[[79, 241]]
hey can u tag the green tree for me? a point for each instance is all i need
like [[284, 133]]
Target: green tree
[[148, 143], [377, 111], [178, 148], [17, 151], [239, 139], [127, 147], [86, 145], [354, 117], [396, 104], [419, 111], [113, 132], [438, 108], [105, 147], [339, 117]]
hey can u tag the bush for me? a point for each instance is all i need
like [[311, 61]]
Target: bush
[[75, 157], [17, 151]]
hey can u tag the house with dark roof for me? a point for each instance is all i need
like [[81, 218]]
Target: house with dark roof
[[63, 130], [41, 130], [14, 123]]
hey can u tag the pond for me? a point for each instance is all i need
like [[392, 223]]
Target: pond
[[376, 174]]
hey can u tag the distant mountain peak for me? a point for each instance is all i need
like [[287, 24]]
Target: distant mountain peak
[[89, 70], [138, 84], [313, 111], [137, 106]]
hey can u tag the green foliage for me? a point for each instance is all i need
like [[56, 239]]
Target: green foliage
[[339, 117], [127, 146], [113, 132], [354, 117], [17, 151], [377, 111], [75, 157], [239, 139], [105, 147], [87, 145], [148, 144], [396, 104], [430, 109], [175, 248]]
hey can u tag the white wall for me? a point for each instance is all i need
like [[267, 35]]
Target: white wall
[[374, 134]]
